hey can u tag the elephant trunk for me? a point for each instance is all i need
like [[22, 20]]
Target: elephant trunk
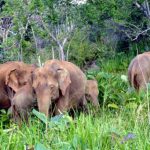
[[95, 101], [44, 104]]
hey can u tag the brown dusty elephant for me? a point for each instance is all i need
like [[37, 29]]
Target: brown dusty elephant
[[23, 101], [91, 92], [60, 82], [13, 76], [139, 71]]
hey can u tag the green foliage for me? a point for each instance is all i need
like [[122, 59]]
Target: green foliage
[[60, 121], [91, 19], [80, 49], [116, 63], [105, 130], [40, 146], [98, 11]]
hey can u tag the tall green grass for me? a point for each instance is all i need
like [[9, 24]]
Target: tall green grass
[[103, 130]]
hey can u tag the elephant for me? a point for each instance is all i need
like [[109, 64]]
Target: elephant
[[59, 82], [22, 102], [13, 76], [91, 92], [139, 71]]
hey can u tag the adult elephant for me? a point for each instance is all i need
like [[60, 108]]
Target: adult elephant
[[139, 71], [13, 76], [60, 82]]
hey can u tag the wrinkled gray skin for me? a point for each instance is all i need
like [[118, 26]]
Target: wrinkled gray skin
[[60, 82]]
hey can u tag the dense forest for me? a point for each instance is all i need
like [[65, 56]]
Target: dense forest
[[101, 37], [67, 30]]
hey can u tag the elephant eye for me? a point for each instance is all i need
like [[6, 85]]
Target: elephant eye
[[25, 83], [51, 86]]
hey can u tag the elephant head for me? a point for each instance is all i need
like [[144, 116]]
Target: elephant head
[[19, 76], [50, 83]]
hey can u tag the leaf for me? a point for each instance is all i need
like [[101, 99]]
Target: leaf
[[124, 78], [148, 86], [3, 111], [40, 146], [75, 141], [132, 99], [90, 77], [40, 115], [56, 118], [131, 90], [60, 121], [1, 46], [113, 106], [9, 130], [131, 105]]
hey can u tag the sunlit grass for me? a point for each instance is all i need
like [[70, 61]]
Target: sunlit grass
[[104, 130]]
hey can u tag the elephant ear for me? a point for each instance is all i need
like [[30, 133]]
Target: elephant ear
[[34, 81], [63, 80], [12, 79]]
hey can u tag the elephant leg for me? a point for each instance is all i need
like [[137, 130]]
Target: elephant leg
[[83, 105], [140, 82], [79, 108], [62, 105]]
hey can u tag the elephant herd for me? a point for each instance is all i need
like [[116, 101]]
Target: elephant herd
[[57, 86], [60, 84]]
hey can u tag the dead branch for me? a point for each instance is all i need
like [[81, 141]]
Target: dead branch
[[60, 36], [144, 8], [135, 37]]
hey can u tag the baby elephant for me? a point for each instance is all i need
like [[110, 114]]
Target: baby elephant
[[139, 71], [91, 92], [22, 102]]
